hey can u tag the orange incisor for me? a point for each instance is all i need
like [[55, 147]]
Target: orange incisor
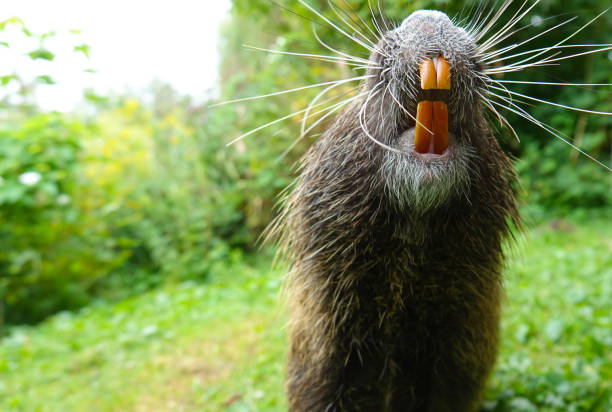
[[431, 134]]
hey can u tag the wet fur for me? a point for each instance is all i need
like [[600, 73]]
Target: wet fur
[[395, 285]]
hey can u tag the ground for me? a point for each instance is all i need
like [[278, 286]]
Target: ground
[[220, 345]]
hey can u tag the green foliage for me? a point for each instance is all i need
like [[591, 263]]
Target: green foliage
[[41, 54], [53, 247], [556, 324]]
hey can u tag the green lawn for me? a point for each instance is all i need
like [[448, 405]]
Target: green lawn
[[220, 345]]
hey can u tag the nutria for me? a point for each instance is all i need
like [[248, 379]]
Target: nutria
[[395, 282], [394, 232]]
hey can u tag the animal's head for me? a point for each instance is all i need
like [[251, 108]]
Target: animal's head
[[426, 76], [428, 85]]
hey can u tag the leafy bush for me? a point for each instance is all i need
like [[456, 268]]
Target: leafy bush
[[53, 245]]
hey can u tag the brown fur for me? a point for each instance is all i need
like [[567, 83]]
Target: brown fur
[[394, 307]]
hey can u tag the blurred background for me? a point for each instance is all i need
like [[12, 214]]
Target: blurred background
[[131, 276]]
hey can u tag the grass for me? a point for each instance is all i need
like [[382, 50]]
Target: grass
[[220, 346]]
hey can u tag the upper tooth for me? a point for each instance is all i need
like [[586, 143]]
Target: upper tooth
[[443, 74], [428, 75]]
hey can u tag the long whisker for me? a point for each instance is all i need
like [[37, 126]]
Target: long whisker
[[490, 55], [521, 112], [561, 42], [479, 20], [346, 58], [513, 22], [494, 19], [334, 108], [245, 99], [275, 122], [566, 46], [366, 25], [512, 33], [552, 60], [510, 68], [552, 103], [295, 13], [330, 48], [373, 93], [555, 84], [413, 117], [353, 38], [375, 22], [321, 94], [382, 15], [464, 15], [502, 119], [357, 31]]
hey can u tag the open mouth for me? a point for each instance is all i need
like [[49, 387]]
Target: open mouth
[[431, 130]]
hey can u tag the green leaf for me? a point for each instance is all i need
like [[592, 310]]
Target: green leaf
[[12, 20], [4, 80], [554, 329], [93, 97], [3, 43], [42, 54], [45, 79], [83, 48], [47, 35], [11, 193]]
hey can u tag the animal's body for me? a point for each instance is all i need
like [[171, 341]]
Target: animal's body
[[395, 284]]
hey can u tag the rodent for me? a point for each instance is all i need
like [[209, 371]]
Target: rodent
[[396, 256]]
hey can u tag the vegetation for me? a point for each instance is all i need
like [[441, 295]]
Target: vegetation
[[128, 236], [220, 345]]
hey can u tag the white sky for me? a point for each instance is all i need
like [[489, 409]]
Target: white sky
[[132, 43]]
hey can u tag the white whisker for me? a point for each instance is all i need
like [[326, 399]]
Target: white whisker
[[413, 117], [513, 22], [502, 119], [366, 25], [554, 84], [367, 39], [318, 96], [514, 68], [496, 53], [330, 48], [276, 121], [310, 86], [375, 23], [494, 19], [522, 62], [512, 33], [552, 60], [566, 46], [373, 92], [356, 40], [346, 57], [335, 108], [521, 112], [552, 103]]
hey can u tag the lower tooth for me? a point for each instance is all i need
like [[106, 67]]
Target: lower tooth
[[440, 127]]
